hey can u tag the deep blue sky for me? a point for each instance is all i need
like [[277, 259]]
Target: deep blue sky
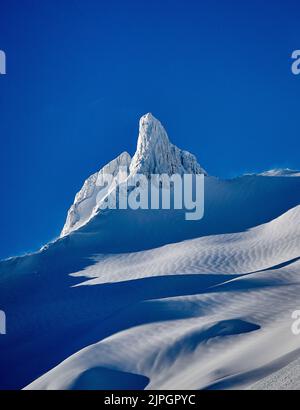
[[80, 73]]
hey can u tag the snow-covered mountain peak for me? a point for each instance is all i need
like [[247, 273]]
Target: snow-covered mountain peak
[[150, 130], [152, 137], [155, 154]]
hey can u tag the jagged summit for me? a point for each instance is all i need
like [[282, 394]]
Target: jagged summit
[[151, 132], [155, 154]]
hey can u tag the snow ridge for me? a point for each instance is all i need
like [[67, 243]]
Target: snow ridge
[[280, 172], [85, 205]]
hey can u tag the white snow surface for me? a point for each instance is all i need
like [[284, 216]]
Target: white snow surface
[[223, 322]]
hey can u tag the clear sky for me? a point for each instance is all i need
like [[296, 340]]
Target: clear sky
[[80, 73]]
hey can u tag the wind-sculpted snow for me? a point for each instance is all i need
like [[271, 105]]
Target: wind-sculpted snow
[[213, 312], [239, 253]]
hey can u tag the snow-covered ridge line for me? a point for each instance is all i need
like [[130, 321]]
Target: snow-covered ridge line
[[155, 154], [278, 172], [85, 202]]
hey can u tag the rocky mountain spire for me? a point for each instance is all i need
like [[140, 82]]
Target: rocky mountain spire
[[155, 154]]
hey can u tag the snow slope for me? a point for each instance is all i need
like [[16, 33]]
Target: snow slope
[[286, 378], [229, 206], [204, 306], [206, 316]]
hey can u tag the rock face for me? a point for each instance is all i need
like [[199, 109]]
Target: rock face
[[155, 154]]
